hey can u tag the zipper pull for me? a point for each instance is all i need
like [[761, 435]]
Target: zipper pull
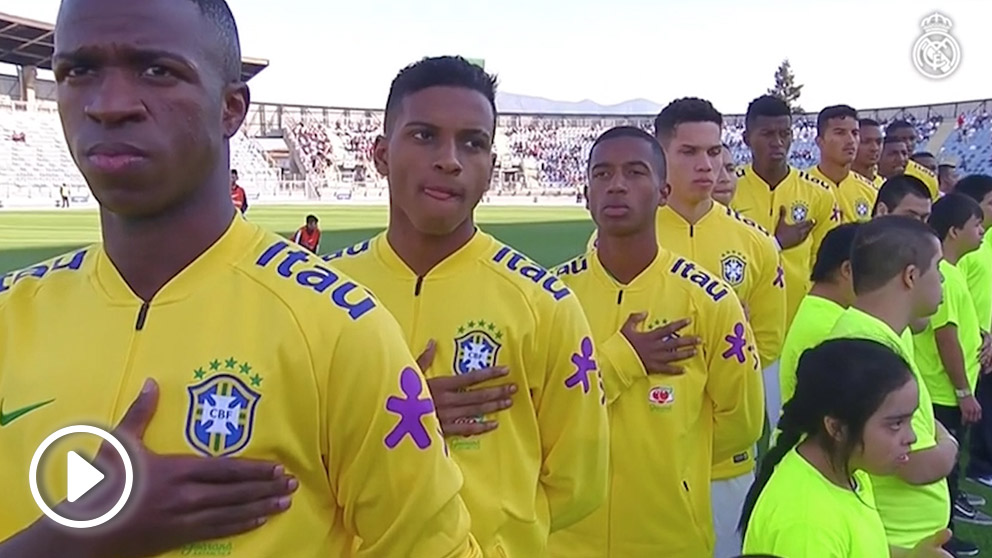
[[142, 315]]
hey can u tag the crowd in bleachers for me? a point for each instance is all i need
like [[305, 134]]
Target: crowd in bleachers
[[347, 143], [971, 142], [357, 137], [313, 145], [35, 160], [552, 151], [547, 153], [559, 151]]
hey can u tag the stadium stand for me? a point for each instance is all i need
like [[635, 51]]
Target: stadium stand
[[970, 143], [544, 154], [285, 152], [35, 161]]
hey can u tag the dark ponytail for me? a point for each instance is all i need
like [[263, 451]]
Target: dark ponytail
[[789, 437], [846, 379]]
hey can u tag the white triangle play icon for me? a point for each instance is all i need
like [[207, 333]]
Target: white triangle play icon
[[82, 476]]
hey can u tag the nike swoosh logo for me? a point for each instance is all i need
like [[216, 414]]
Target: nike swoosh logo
[[7, 418]]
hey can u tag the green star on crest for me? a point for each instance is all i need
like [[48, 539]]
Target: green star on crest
[[245, 368], [256, 380], [231, 363], [482, 326], [199, 373], [215, 364]]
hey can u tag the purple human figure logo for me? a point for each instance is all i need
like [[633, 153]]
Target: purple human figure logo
[[584, 364], [411, 410], [737, 343], [779, 278]]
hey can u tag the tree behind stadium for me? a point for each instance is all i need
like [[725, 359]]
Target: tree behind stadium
[[785, 87]]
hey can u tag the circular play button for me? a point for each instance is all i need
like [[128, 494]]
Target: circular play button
[[81, 476]]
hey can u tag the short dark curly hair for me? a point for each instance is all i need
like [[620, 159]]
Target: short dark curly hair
[[451, 71], [682, 111]]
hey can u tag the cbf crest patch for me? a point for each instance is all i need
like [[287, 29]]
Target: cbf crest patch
[[862, 208], [732, 267], [220, 417], [800, 211], [476, 346]]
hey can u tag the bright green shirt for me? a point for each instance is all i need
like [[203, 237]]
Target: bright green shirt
[[801, 514], [957, 309], [910, 513], [813, 322], [977, 270]]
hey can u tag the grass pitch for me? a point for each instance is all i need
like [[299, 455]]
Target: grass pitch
[[550, 235]]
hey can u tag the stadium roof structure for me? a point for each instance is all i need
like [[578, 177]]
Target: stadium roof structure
[[25, 42]]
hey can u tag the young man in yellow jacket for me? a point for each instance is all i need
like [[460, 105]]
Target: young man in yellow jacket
[[483, 311], [903, 131], [280, 412], [668, 421], [838, 134], [797, 208]]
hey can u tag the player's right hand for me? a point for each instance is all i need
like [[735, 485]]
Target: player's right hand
[[176, 500], [971, 410], [788, 235], [660, 348], [932, 546], [461, 410]]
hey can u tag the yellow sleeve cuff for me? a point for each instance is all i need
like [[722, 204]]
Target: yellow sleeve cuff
[[623, 368]]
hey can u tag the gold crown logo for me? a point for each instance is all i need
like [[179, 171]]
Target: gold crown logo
[[937, 22]]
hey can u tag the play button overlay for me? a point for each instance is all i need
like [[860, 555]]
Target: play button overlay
[[81, 476]]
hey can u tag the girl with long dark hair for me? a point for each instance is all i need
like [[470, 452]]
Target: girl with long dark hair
[[850, 417]]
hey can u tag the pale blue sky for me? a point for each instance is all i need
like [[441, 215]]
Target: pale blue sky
[[345, 52]]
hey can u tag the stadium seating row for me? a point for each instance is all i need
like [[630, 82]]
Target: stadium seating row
[[35, 161], [544, 154], [551, 152]]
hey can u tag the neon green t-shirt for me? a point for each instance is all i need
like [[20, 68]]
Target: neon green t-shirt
[[977, 270], [813, 322], [910, 513], [958, 309], [801, 514]]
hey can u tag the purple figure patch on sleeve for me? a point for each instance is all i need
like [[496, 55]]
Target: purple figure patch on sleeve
[[737, 343], [411, 410], [584, 364], [779, 278]]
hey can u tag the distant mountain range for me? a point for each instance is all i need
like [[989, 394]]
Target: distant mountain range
[[511, 103]]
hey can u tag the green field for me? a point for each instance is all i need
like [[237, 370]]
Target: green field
[[549, 235]]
